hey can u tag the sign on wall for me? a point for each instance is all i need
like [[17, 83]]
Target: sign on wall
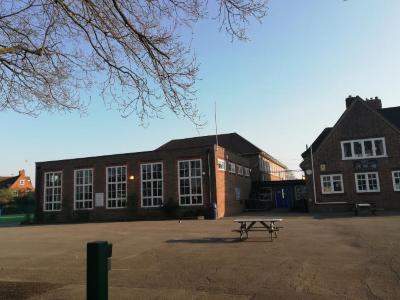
[[99, 199]]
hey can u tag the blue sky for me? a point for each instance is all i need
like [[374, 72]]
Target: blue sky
[[279, 90]]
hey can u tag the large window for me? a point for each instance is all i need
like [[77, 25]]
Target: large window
[[52, 191], [152, 184], [367, 182], [396, 180], [83, 189], [116, 187], [366, 148], [190, 182], [246, 172], [332, 184]]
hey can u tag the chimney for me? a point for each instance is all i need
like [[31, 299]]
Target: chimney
[[22, 173], [374, 103], [350, 99]]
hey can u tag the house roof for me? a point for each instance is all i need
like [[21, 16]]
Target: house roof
[[317, 141], [6, 181], [390, 114], [231, 141]]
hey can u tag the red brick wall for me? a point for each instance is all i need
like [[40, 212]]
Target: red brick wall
[[132, 161], [226, 184], [358, 123]]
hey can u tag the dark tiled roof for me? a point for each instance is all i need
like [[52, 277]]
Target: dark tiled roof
[[231, 141], [5, 182], [317, 141], [392, 114]]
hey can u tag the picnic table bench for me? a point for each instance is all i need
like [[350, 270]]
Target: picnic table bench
[[257, 224], [365, 206]]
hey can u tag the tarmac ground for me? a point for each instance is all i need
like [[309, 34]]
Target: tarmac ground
[[314, 257]]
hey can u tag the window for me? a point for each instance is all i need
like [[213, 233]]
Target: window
[[116, 187], [240, 170], [52, 191], [363, 148], [332, 184], [221, 164], [15, 194], [231, 167], [246, 172], [367, 182], [396, 180], [21, 182], [83, 189], [190, 182], [152, 184]]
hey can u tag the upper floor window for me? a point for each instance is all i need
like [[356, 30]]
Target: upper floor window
[[231, 167], [246, 172], [83, 195], [240, 170], [190, 182], [396, 180], [367, 182], [52, 191], [221, 164], [332, 184], [365, 148], [152, 184], [22, 182], [116, 187]]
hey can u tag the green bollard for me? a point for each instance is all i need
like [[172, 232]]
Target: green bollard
[[98, 264]]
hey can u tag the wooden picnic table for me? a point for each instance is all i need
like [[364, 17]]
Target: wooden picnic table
[[257, 224]]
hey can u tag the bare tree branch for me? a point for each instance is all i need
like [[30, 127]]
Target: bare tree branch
[[53, 51]]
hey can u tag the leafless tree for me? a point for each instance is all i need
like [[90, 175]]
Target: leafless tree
[[53, 51]]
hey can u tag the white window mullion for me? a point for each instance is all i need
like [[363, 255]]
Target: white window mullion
[[52, 191], [116, 187], [186, 195], [152, 199], [329, 178], [362, 178]]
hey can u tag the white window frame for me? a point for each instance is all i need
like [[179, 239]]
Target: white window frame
[[368, 190], [190, 183], [22, 182], [126, 188], [152, 180], [240, 170], [221, 164], [53, 188], [363, 156], [246, 172], [331, 182], [231, 167], [83, 185], [395, 175]]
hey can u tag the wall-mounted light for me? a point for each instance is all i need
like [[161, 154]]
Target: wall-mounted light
[[131, 177]]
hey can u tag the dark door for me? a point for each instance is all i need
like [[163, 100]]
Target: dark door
[[282, 198]]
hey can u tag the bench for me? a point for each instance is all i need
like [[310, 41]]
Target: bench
[[264, 224], [366, 206]]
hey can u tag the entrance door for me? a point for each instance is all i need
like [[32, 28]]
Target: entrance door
[[281, 198]]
